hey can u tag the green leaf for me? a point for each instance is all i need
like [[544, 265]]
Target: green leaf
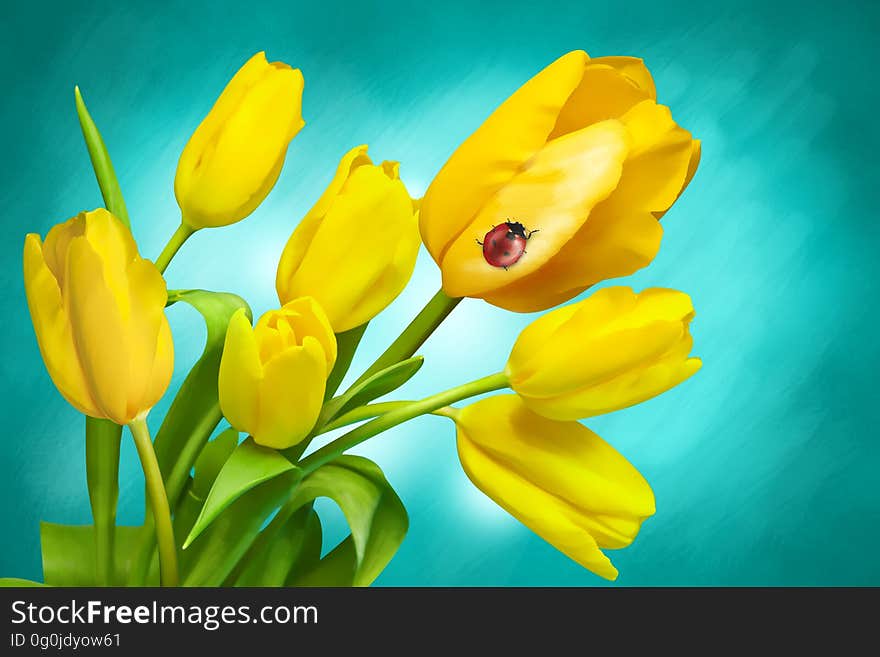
[[69, 553], [346, 345], [211, 460], [249, 466], [289, 543], [374, 512], [101, 163], [103, 439], [16, 582], [380, 383], [195, 411], [214, 554]]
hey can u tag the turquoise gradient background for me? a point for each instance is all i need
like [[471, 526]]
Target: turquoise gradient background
[[764, 465]]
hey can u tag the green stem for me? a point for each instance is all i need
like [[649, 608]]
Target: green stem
[[362, 413], [182, 234], [399, 415], [414, 335], [158, 502], [102, 474]]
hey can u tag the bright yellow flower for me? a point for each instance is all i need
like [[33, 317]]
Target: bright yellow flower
[[98, 310], [356, 248], [235, 155], [609, 351], [272, 376], [559, 479], [583, 153]]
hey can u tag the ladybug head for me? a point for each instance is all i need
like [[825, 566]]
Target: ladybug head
[[516, 228]]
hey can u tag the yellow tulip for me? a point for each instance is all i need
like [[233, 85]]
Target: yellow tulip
[[559, 479], [609, 351], [98, 311], [583, 154], [356, 248], [234, 157], [272, 376]]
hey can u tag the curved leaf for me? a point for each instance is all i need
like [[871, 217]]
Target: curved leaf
[[101, 163], [214, 554], [374, 512], [346, 345], [380, 383], [195, 411], [211, 460], [249, 466], [17, 582], [290, 543]]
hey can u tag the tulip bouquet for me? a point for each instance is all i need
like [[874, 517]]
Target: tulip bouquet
[[562, 187]]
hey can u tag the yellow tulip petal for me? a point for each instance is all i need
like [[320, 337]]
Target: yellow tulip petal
[[246, 159], [696, 152], [359, 251], [162, 368], [57, 242], [392, 280], [529, 347], [206, 133], [589, 362], [603, 93], [551, 518], [298, 244], [293, 379], [53, 330], [626, 390], [634, 69], [655, 171], [554, 194], [565, 459], [496, 152], [307, 318], [148, 294], [99, 331], [240, 375]]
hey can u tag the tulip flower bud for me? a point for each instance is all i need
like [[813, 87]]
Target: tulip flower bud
[[559, 479], [580, 162], [98, 311], [612, 350], [234, 157], [272, 376], [355, 250]]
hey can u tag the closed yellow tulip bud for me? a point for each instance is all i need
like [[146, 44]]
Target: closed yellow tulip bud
[[234, 157], [272, 376], [98, 311], [583, 154], [559, 479], [609, 351], [355, 250]]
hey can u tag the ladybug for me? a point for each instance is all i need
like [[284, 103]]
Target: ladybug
[[505, 244]]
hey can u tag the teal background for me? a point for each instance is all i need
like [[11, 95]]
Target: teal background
[[764, 465]]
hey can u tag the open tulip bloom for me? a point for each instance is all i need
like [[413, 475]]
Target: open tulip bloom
[[561, 188]]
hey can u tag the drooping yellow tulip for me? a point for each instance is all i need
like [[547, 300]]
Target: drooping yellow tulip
[[581, 153], [98, 311], [234, 157], [355, 250], [559, 479], [272, 376], [612, 350]]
